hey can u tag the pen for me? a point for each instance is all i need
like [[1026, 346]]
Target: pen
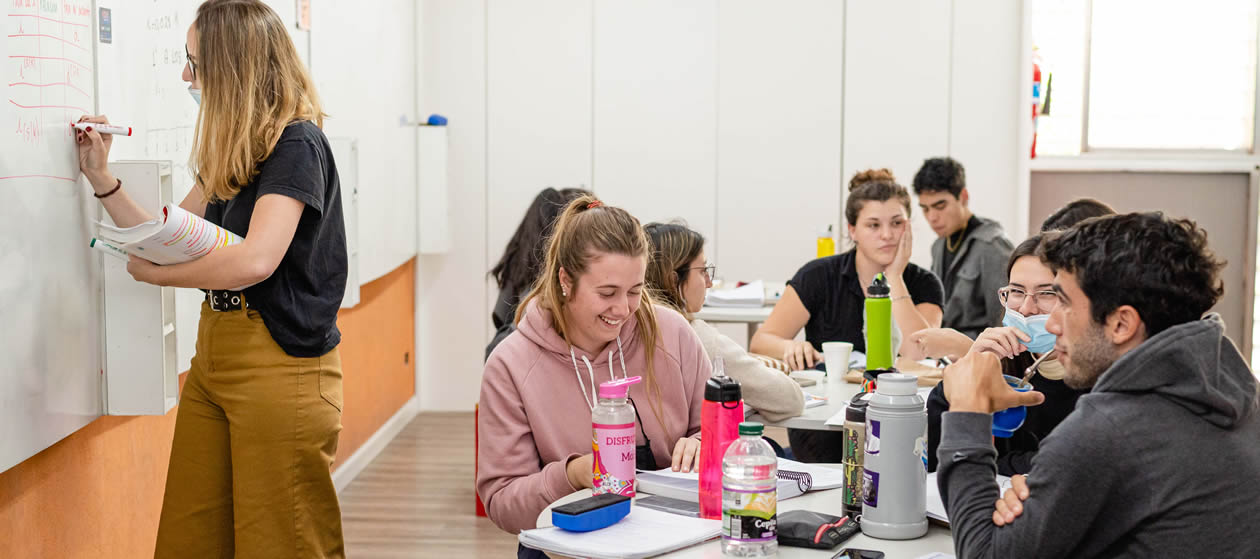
[[108, 248], [103, 128]]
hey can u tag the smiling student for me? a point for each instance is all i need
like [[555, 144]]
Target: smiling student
[[588, 320]]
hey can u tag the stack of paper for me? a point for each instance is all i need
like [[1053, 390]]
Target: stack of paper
[[642, 533], [752, 295], [936, 507]]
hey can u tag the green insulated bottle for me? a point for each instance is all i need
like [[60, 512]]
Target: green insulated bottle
[[879, 357]]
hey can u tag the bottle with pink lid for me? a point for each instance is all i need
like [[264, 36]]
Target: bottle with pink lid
[[613, 439]]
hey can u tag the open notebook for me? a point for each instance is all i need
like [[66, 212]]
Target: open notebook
[[177, 236], [795, 478], [642, 533]]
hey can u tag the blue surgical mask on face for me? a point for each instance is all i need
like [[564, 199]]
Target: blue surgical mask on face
[[196, 95], [1035, 326]]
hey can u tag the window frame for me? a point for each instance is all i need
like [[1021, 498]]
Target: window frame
[[1176, 153]]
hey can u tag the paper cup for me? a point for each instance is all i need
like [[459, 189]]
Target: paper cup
[[836, 355]]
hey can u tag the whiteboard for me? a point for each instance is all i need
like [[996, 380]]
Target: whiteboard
[[50, 281], [50, 321]]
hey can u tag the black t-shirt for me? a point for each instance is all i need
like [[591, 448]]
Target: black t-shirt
[[832, 293], [299, 302], [946, 261]]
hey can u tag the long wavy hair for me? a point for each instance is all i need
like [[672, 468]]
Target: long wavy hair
[[674, 246], [253, 85], [523, 256]]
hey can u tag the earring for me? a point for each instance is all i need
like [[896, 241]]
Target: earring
[[564, 292]]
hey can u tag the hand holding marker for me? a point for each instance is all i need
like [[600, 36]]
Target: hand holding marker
[[103, 128]]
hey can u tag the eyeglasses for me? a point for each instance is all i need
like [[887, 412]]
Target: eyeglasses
[[1014, 297], [708, 270], [192, 66]]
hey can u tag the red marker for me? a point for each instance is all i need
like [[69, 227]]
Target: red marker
[[103, 128]]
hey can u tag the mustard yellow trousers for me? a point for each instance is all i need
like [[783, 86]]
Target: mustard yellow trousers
[[255, 436]]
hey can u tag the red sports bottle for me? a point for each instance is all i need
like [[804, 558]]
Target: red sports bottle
[[720, 416]]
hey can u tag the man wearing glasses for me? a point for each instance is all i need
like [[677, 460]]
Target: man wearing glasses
[[1160, 457]]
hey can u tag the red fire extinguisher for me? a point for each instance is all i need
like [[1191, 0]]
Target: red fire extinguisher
[[1036, 101]]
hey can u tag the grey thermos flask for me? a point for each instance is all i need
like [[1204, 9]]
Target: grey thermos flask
[[894, 505]]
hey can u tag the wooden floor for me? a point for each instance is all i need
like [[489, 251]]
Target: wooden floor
[[416, 498]]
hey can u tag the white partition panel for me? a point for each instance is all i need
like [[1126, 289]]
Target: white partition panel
[[780, 70], [367, 84], [538, 109], [986, 101], [896, 96], [538, 105], [451, 326], [655, 108]]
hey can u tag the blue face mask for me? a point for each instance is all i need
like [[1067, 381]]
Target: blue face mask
[[196, 95], [1035, 327]]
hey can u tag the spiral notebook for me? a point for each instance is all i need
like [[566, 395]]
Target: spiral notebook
[[795, 479]]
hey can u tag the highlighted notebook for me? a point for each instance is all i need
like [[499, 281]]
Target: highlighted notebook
[[177, 236]]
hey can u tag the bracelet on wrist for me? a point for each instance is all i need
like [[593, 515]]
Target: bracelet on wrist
[[117, 187]]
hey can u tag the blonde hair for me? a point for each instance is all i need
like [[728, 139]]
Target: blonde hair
[[584, 228], [253, 86], [674, 246]]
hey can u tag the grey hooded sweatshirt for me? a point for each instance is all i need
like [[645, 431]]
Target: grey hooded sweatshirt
[[1160, 459]]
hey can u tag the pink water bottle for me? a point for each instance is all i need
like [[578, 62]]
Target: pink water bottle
[[720, 416], [612, 439]]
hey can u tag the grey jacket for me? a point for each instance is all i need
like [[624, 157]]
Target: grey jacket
[[978, 271], [1160, 459]]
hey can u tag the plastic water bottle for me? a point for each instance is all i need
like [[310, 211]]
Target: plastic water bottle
[[720, 415], [749, 496], [613, 439], [894, 466], [826, 243]]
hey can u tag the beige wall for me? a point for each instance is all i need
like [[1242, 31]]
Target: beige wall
[[1222, 203]]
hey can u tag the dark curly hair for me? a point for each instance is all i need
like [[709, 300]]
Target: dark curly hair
[[1159, 265], [940, 174], [1074, 212]]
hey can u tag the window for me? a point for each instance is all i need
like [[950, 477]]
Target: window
[[1146, 74]]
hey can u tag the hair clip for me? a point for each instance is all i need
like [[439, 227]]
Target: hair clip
[[594, 205]]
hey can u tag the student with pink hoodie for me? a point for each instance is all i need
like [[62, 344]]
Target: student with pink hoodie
[[588, 320]]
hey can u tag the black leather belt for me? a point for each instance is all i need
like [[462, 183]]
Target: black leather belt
[[223, 300]]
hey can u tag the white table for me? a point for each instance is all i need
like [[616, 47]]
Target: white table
[[837, 392], [752, 316], [938, 539]]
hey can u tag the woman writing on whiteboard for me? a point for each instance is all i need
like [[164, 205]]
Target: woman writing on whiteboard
[[260, 412]]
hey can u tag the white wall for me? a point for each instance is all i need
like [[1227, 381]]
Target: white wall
[[361, 62], [452, 321], [743, 117]]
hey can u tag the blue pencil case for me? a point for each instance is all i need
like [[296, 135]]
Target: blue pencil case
[[591, 513]]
